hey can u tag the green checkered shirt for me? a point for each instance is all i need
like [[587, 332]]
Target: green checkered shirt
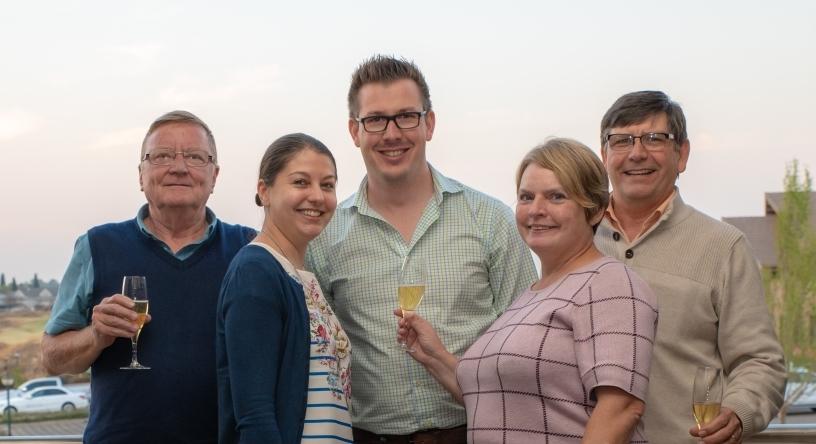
[[477, 264]]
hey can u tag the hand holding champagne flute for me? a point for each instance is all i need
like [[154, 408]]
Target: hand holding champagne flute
[[412, 280], [135, 287], [708, 388]]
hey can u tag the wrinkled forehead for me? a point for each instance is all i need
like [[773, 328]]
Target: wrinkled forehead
[[657, 121], [178, 135]]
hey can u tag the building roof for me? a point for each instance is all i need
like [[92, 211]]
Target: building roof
[[773, 203], [761, 230], [761, 234]]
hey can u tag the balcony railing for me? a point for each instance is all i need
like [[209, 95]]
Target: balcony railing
[[775, 434]]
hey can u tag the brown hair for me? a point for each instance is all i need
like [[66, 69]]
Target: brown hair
[[633, 108], [385, 69], [282, 150], [578, 170]]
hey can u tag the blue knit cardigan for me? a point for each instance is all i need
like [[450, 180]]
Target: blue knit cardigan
[[262, 352]]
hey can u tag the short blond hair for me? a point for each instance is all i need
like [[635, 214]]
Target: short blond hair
[[577, 168]]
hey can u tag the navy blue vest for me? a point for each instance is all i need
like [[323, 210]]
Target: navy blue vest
[[175, 401]]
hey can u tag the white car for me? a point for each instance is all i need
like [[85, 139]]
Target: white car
[[46, 399], [31, 384]]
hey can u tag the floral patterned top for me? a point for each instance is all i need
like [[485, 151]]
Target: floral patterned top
[[329, 393]]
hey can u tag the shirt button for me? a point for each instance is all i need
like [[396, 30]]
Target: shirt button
[[629, 253], [616, 236]]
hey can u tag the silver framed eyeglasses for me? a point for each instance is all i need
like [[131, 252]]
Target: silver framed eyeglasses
[[163, 157], [378, 124], [650, 141]]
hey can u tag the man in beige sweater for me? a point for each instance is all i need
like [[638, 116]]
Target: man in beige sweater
[[712, 309]]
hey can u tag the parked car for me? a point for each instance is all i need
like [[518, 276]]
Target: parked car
[[31, 384], [46, 399]]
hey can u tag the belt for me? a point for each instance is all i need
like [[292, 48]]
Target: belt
[[455, 435]]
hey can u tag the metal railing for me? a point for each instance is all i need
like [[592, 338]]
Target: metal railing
[[785, 434], [774, 434], [42, 439]]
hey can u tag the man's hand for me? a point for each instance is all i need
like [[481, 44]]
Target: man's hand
[[113, 318], [725, 428]]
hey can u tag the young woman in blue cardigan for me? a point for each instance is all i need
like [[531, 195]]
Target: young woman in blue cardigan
[[282, 357]]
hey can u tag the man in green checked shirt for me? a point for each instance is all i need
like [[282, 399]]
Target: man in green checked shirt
[[404, 208]]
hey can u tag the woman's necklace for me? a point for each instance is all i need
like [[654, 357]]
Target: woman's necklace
[[565, 268], [283, 253]]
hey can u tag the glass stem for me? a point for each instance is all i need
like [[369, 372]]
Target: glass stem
[[133, 360]]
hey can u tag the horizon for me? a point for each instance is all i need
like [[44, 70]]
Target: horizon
[[83, 82]]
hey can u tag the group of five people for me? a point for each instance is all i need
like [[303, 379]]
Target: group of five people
[[254, 330]]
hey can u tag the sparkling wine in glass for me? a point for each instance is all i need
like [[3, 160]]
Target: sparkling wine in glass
[[135, 287], [708, 388], [412, 280]]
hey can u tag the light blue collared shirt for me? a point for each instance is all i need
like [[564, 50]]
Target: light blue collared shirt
[[72, 309]]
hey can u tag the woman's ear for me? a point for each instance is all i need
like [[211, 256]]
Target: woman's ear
[[260, 197]]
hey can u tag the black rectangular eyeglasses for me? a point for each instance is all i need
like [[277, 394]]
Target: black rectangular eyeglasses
[[405, 120]]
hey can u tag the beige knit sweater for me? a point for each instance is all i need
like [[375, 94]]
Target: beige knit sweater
[[712, 312]]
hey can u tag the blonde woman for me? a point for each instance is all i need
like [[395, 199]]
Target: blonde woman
[[568, 361]]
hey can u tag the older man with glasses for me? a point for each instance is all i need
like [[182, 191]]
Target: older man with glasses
[[712, 309], [183, 250], [404, 210]]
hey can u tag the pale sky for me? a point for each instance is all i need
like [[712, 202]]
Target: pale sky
[[80, 83]]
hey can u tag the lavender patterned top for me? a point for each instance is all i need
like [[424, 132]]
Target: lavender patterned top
[[530, 377]]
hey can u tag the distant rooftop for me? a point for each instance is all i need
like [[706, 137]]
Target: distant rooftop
[[761, 230]]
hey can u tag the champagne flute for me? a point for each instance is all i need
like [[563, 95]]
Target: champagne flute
[[135, 287], [413, 277], [707, 395]]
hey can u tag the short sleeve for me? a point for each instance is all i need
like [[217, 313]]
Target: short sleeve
[[71, 310], [614, 330]]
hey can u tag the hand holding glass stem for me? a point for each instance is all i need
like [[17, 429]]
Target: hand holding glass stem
[[426, 348]]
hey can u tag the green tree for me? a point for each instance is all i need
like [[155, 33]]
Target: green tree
[[35, 283], [13, 284], [2, 279], [791, 288]]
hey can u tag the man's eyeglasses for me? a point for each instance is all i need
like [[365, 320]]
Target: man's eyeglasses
[[378, 124], [650, 141], [163, 157]]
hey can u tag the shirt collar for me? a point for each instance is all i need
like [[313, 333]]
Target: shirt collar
[[647, 224], [442, 185], [144, 212]]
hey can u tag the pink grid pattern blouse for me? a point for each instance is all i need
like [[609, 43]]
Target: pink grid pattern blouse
[[530, 377]]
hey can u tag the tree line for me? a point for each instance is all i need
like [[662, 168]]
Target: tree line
[[12, 285]]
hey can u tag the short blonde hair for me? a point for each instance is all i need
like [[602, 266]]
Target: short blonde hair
[[579, 170]]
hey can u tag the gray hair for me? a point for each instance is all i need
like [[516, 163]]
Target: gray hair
[[179, 116]]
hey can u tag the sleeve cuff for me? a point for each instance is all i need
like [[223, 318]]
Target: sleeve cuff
[[745, 415]]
